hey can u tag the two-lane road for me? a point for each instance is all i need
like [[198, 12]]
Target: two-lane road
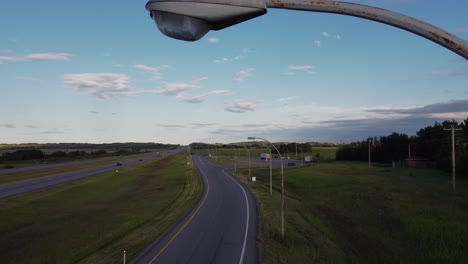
[[221, 228]]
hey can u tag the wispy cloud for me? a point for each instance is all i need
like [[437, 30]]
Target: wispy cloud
[[454, 108], [243, 74], [325, 34], [242, 106], [31, 126], [12, 39], [8, 125], [170, 126], [52, 131], [172, 88], [37, 57], [304, 68], [157, 71], [222, 60], [241, 56], [183, 97], [287, 99], [201, 125], [213, 40], [318, 43], [220, 92], [94, 112], [101, 85], [338, 36]]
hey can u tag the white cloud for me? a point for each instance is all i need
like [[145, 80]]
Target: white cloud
[[305, 68], [157, 72], [338, 36], [325, 34], [213, 40], [48, 56], [318, 43], [220, 92], [37, 57], [52, 131], [222, 60], [94, 112], [183, 97], [12, 39], [176, 88], [241, 75], [287, 99], [101, 85], [242, 106]]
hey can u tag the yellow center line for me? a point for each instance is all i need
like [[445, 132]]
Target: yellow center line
[[185, 225]]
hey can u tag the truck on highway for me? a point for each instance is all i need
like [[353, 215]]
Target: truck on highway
[[265, 156]]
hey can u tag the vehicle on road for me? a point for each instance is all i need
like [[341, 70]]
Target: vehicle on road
[[118, 164], [265, 156]]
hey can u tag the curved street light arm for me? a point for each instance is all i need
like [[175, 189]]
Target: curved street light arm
[[404, 22]]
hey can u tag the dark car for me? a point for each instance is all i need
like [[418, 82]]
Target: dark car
[[118, 164], [291, 164]]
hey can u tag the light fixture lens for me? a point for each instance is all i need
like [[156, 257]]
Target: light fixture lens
[[180, 26]]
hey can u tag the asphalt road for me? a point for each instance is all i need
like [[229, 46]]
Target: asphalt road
[[13, 189], [221, 228]]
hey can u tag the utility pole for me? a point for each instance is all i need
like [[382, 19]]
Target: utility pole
[[409, 151], [296, 150], [370, 140], [453, 155]]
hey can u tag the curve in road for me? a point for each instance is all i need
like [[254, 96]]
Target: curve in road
[[221, 228]]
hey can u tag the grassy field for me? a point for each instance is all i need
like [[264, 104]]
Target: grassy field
[[93, 220], [22, 176], [343, 212]]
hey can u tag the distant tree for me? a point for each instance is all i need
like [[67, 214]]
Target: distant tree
[[58, 154]]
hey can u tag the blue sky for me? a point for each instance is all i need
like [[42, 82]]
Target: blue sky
[[100, 71]]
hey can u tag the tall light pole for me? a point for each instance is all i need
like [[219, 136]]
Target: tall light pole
[[271, 172], [190, 20], [282, 182]]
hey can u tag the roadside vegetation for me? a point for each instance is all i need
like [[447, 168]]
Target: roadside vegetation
[[345, 212], [95, 219]]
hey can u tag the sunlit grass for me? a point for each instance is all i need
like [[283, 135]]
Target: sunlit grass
[[93, 220], [345, 212]]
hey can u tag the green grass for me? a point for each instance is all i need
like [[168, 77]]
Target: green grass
[[344, 212], [93, 220], [28, 175]]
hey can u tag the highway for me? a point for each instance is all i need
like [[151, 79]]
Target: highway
[[18, 188], [221, 228]]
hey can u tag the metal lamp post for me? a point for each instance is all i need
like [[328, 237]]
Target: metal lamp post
[[191, 19], [282, 182]]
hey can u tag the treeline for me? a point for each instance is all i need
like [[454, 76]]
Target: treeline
[[80, 151], [433, 143]]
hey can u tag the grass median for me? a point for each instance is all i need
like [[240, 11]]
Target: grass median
[[95, 219], [66, 168], [344, 212]]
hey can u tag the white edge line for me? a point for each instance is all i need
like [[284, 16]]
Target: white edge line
[[248, 216]]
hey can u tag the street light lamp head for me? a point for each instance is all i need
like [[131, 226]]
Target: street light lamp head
[[251, 138], [190, 20]]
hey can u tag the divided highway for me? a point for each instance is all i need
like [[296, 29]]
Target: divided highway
[[12, 189], [221, 228]]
